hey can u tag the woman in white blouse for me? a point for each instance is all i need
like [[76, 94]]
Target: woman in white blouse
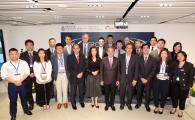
[[42, 70]]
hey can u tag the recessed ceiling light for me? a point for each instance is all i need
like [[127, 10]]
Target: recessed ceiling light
[[62, 5], [95, 5], [144, 16], [166, 5]]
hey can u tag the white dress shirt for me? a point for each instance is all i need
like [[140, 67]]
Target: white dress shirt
[[116, 52], [154, 48], [44, 68], [15, 69], [69, 49], [101, 50], [127, 57]]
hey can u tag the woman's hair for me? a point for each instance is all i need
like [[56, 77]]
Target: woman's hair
[[45, 58], [175, 44], [184, 54], [90, 54], [168, 59]]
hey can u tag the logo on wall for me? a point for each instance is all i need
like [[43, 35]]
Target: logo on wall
[[94, 36]]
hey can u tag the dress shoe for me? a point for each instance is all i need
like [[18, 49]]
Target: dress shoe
[[122, 106], [97, 106], [129, 107], [31, 107], [173, 111], [156, 110], [28, 112], [147, 108], [113, 108], [180, 115], [74, 107], [59, 106], [137, 106], [65, 105], [82, 105], [13, 118], [106, 108], [92, 105]]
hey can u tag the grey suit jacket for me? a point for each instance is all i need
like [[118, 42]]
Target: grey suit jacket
[[132, 69], [54, 62]]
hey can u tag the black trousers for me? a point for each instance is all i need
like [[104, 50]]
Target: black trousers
[[110, 91], [73, 92], [126, 88], [28, 85], [178, 96], [45, 93], [161, 88], [141, 88]]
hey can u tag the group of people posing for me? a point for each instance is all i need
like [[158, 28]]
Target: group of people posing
[[145, 69]]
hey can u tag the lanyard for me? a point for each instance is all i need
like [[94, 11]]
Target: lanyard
[[60, 59], [16, 68], [43, 66]]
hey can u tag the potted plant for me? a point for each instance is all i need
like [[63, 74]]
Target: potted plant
[[192, 96]]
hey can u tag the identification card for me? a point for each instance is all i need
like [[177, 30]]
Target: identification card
[[17, 76], [44, 76], [177, 79]]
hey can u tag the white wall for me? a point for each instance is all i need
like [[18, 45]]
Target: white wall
[[15, 36]]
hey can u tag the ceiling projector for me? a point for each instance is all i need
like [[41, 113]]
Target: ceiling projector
[[120, 24]]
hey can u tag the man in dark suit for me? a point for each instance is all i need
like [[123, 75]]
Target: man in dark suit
[[85, 45], [101, 48], [138, 45], [109, 76], [76, 66], [50, 52], [30, 56], [110, 42], [128, 76], [51, 49], [147, 69]]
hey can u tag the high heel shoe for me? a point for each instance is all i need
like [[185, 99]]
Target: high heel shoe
[[155, 110], [180, 115], [173, 112]]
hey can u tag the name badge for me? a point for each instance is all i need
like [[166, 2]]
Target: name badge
[[43, 76], [177, 79], [17, 76]]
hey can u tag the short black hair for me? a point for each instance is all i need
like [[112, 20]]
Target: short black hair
[[129, 44], [145, 45], [29, 41], [119, 41], [13, 49], [68, 36], [101, 38], [110, 36], [138, 40], [163, 40], [184, 54], [59, 45], [52, 39], [154, 38]]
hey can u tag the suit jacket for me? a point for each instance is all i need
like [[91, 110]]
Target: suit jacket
[[186, 77], [168, 69], [54, 62], [81, 47], [113, 45], [132, 69], [148, 70], [66, 52], [49, 54], [155, 54], [74, 68], [109, 74], [25, 56]]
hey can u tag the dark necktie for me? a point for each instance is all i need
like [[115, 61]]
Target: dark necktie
[[152, 48]]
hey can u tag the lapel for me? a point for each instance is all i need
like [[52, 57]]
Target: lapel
[[108, 63]]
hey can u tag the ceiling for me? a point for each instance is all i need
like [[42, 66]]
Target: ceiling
[[46, 12]]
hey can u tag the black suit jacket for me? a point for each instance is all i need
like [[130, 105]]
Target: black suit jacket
[[25, 56], [48, 53], [168, 69], [186, 76], [109, 74], [132, 69], [149, 70], [74, 68]]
